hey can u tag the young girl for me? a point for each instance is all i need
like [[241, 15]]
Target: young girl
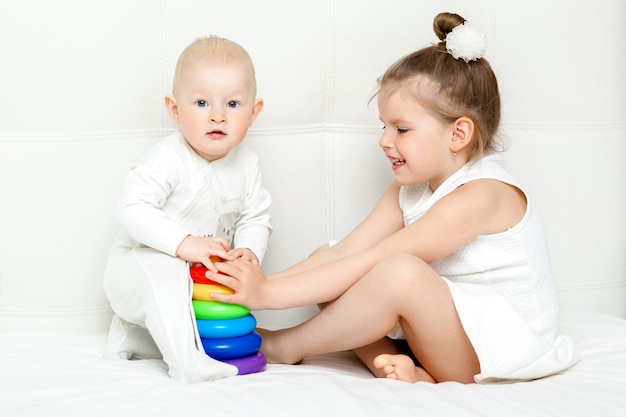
[[453, 257]]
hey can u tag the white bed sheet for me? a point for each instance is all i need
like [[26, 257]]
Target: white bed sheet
[[65, 375]]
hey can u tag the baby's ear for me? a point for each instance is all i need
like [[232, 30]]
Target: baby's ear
[[256, 109], [172, 108]]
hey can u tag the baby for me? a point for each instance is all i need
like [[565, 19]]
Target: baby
[[195, 194]]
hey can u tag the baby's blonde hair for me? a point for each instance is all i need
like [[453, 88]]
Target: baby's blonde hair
[[213, 49]]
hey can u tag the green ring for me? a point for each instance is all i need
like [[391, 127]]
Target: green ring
[[215, 310]]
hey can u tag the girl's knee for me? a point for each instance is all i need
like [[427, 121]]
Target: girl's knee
[[402, 275], [322, 248], [405, 267]]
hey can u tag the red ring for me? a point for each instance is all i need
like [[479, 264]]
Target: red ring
[[198, 272]]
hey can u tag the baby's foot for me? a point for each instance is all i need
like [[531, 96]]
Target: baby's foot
[[402, 368]]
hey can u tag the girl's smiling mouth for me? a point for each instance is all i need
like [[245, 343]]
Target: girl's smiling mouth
[[396, 162]]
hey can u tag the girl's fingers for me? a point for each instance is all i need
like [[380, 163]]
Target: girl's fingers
[[226, 281], [230, 269], [224, 298], [222, 279]]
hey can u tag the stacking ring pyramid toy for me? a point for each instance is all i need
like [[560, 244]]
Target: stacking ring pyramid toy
[[226, 330]]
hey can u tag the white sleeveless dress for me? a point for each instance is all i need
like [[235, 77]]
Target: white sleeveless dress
[[502, 286]]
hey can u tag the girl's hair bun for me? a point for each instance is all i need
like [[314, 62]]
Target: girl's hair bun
[[460, 39], [444, 23]]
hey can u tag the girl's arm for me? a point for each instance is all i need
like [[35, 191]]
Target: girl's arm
[[335, 269], [477, 208], [384, 220]]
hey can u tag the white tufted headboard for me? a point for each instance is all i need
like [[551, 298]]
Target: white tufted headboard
[[82, 86]]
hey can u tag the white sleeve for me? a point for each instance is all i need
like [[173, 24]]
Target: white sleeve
[[253, 228], [144, 193]]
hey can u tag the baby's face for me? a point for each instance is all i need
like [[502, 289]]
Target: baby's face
[[216, 105]]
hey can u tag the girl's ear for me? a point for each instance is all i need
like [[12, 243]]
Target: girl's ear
[[172, 108], [462, 134]]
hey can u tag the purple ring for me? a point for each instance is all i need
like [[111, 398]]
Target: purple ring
[[248, 364]]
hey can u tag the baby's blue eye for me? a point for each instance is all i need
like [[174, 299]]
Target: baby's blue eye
[[201, 103], [232, 104]]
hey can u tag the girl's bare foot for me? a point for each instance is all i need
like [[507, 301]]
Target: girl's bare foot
[[266, 337], [402, 368], [270, 348]]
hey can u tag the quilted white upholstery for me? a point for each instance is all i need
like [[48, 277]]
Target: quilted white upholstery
[[82, 86]]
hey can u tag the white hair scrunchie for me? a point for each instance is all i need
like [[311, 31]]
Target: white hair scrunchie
[[467, 42]]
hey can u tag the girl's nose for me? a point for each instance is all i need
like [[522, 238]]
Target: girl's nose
[[384, 141]]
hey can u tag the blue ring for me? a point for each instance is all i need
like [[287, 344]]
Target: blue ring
[[233, 347], [249, 364], [221, 329]]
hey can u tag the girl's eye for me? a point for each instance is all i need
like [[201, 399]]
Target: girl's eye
[[232, 104], [402, 131], [201, 103]]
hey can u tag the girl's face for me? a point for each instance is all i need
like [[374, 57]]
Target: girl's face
[[215, 106], [416, 143]]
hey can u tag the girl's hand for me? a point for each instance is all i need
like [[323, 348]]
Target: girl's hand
[[199, 249], [251, 288], [244, 254]]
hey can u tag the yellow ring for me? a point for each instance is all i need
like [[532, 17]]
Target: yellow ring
[[203, 291]]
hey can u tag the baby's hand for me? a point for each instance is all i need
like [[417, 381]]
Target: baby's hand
[[199, 249], [244, 254]]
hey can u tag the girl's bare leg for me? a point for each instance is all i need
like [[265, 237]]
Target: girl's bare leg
[[402, 289], [369, 353]]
